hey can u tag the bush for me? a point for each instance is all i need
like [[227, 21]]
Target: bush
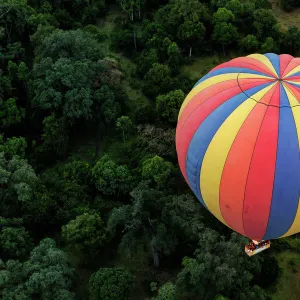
[[111, 284], [293, 265], [288, 5], [269, 272]]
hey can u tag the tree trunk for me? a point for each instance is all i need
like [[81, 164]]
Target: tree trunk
[[223, 50], [134, 40], [123, 136], [155, 256], [132, 14], [98, 139], [139, 11], [7, 33], [190, 51]]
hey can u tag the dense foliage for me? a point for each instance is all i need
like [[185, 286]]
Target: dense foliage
[[92, 201]]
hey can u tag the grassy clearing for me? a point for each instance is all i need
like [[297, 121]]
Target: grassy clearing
[[200, 67], [128, 67], [286, 19], [288, 285]]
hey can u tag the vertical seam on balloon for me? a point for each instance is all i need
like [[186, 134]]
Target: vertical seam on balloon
[[284, 87], [278, 128], [228, 155], [225, 164], [231, 147], [251, 163]]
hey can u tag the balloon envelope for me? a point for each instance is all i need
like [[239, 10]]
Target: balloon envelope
[[237, 141]]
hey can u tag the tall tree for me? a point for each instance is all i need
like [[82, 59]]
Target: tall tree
[[264, 23], [110, 178], [15, 242], [221, 265], [17, 182], [168, 105], [111, 284], [155, 220], [192, 32], [157, 170], [45, 275], [224, 34], [86, 232], [14, 15], [124, 124], [166, 292], [157, 80]]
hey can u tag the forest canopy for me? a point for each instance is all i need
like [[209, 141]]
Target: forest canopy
[[92, 202]]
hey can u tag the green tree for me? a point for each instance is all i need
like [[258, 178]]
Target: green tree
[[22, 71], [55, 137], [72, 44], [264, 23], [223, 15], [18, 181], [157, 169], [174, 57], [13, 146], [41, 33], [111, 179], [105, 108], [190, 32], [87, 231], [10, 113], [130, 6], [235, 6], [146, 60], [111, 284], [45, 19], [156, 221], [45, 275], [221, 265], [15, 242], [13, 17], [87, 11], [269, 46], [220, 297], [248, 8], [157, 141], [167, 106], [124, 124], [249, 43], [166, 292], [224, 34], [178, 12], [157, 80], [265, 4], [65, 86], [291, 41]]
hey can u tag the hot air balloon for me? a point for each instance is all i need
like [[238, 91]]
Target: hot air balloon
[[237, 141]]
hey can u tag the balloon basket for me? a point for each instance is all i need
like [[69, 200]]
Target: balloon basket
[[255, 247]]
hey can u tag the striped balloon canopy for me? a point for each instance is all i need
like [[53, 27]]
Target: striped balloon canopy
[[237, 141]]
